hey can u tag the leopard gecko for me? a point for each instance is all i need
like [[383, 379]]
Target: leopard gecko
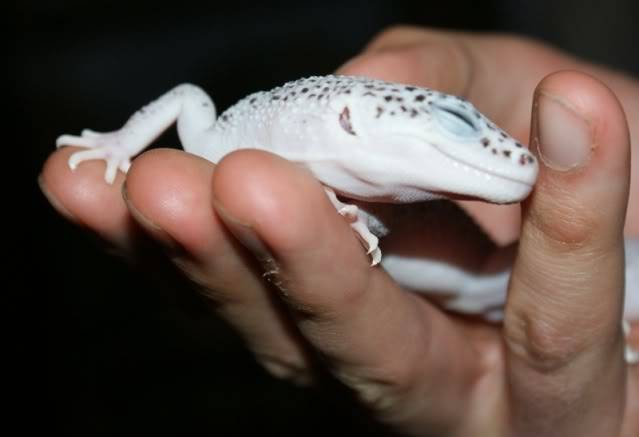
[[363, 139]]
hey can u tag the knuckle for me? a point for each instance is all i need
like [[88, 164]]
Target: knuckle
[[565, 223], [383, 387], [547, 344]]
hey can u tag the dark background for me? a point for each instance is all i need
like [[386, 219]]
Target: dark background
[[124, 354]]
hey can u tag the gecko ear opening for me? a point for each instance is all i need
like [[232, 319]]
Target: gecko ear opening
[[345, 121]]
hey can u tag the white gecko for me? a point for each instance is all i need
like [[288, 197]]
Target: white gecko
[[364, 139]]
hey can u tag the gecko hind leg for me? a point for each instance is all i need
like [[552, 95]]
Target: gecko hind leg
[[359, 224]]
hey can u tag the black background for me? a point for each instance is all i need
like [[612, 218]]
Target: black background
[[124, 354]]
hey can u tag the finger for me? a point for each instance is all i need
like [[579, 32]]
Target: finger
[[563, 317], [82, 197], [391, 347], [169, 193]]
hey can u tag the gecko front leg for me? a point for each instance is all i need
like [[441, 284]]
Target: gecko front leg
[[188, 104], [359, 224]]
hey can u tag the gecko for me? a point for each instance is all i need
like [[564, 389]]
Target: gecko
[[363, 139]]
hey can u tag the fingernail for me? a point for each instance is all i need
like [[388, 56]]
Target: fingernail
[[563, 136], [243, 232], [151, 227], [55, 202]]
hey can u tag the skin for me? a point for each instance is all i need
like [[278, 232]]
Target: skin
[[421, 370]]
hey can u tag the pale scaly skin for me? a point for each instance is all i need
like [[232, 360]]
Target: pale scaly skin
[[364, 139]]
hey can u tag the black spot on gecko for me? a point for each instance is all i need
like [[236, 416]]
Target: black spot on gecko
[[503, 134], [304, 90], [413, 112], [392, 113], [494, 151], [388, 98], [368, 93], [518, 144], [275, 98], [403, 108], [345, 121], [310, 96], [399, 99], [225, 117], [410, 88], [347, 92], [369, 86], [477, 114], [253, 100], [485, 142], [326, 89], [205, 104], [380, 110], [420, 98], [506, 153]]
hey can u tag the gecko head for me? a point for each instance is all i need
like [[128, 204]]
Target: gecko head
[[439, 143]]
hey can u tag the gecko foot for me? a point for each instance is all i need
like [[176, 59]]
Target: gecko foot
[[106, 146], [359, 225]]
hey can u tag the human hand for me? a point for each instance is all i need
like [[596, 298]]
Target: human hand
[[421, 370]]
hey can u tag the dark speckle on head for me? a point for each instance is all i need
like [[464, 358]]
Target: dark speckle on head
[[485, 142], [503, 134], [477, 114], [420, 98], [205, 104], [413, 112], [399, 99], [275, 98], [494, 151], [347, 92], [304, 90], [253, 100], [392, 113], [506, 153], [225, 117], [410, 88], [403, 108], [380, 110], [518, 144], [311, 95], [368, 93], [388, 98]]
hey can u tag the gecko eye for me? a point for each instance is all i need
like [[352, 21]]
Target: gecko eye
[[456, 120]]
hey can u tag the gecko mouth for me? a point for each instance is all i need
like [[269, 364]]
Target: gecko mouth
[[524, 180]]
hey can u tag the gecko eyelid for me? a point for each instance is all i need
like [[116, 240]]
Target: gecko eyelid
[[456, 120]]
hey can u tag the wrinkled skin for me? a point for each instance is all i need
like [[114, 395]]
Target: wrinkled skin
[[423, 371]]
